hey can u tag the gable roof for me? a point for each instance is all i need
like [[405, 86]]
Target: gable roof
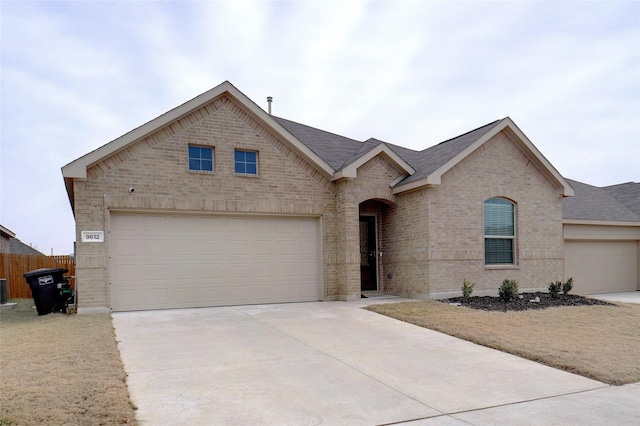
[[77, 169], [333, 155], [421, 167], [345, 155], [626, 193], [18, 247], [595, 204], [437, 160]]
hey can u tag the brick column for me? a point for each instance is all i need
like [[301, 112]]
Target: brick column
[[348, 243]]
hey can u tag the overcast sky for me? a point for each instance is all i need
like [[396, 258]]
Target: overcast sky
[[76, 75]]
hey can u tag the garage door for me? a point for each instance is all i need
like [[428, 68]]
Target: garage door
[[602, 266], [174, 261]]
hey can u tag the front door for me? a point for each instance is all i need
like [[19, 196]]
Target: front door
[[368, 259]]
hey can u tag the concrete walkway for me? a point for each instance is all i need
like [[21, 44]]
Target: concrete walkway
[[626, 297], [333, 363]]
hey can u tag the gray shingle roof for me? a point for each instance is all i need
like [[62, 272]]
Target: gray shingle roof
[[618, 203], [628, 194], [432, 158], [332, 148], [18, 247], [339, 151], [594, 203]]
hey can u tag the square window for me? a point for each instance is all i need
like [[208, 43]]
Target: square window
[[201, 158], [246, 162]]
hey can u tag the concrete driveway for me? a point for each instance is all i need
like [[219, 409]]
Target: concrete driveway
[[333, 363]]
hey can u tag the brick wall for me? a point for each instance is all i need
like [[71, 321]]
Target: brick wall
[[157, 168], [4, 244], [455, 221], [431, 238]]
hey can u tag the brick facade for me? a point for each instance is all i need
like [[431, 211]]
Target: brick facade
[[455, 222], [156, 167], [428, 239]]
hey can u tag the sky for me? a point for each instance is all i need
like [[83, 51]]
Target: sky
[[74, 75]]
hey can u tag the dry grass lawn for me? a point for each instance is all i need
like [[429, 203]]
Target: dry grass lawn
[[599, 342], [60, 370]]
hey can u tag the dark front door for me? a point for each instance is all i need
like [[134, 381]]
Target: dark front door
[[368, 260]]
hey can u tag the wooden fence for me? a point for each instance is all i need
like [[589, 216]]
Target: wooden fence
[[13, 266]]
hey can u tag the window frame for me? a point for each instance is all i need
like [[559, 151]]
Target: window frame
[[245, 163], [513, 238], [200, 159]]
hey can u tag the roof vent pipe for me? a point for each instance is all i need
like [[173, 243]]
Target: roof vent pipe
[[269, 100]]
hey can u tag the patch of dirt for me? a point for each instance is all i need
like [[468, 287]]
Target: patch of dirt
[[60, 369], [525, 301]]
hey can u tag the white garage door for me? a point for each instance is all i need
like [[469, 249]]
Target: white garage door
[[602, 266], [174, 261]]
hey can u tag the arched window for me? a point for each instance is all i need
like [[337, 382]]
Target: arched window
[[499, 232]]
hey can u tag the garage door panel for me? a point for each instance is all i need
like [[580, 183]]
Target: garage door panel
[[210, 247], [185, 295], [210, 296], [127, 298], [602, 266], [126, 247], [162, 261]]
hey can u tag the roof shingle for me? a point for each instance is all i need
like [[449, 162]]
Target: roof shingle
[[594, 203]]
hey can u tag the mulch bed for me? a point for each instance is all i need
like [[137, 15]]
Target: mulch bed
[[525, 301]]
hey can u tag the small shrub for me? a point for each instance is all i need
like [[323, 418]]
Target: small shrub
[[508, 290], [554, 289], [567, 286], [467, 289]]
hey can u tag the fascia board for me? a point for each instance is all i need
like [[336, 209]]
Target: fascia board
[[516, 135], [536, 156], [435, 177], [78, 168], [7, 231], [427, 181], [298, 146], [351, 170], [599, 222]]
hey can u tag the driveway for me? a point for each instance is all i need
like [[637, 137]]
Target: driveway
[[333, 363]]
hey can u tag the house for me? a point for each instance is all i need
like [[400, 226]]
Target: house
[[10, 244], [602, 237], [5, 236], [217, 202]]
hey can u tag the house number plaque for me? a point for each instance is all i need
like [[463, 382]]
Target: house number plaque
[[92, 236]]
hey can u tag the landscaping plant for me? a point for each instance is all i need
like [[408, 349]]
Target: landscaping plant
[[567, 285], [554, 289], [467, 289], [508, 290]]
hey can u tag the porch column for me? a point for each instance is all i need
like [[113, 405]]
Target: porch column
[[348, 243]]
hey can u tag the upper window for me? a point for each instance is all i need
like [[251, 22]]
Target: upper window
[[499, 232], [246, 162], [201, 158]]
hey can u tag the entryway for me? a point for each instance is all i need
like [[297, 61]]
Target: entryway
[[368, 254]]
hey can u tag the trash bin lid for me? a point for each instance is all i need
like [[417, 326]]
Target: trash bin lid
[[45, 271]]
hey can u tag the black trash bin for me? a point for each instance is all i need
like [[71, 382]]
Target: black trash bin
[[44, 287]]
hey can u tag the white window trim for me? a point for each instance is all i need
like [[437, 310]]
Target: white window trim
[[514, 245]]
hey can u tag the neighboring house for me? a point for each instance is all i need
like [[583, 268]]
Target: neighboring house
[[5, 236], [216, 202], [10, 244], [602, 237]]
